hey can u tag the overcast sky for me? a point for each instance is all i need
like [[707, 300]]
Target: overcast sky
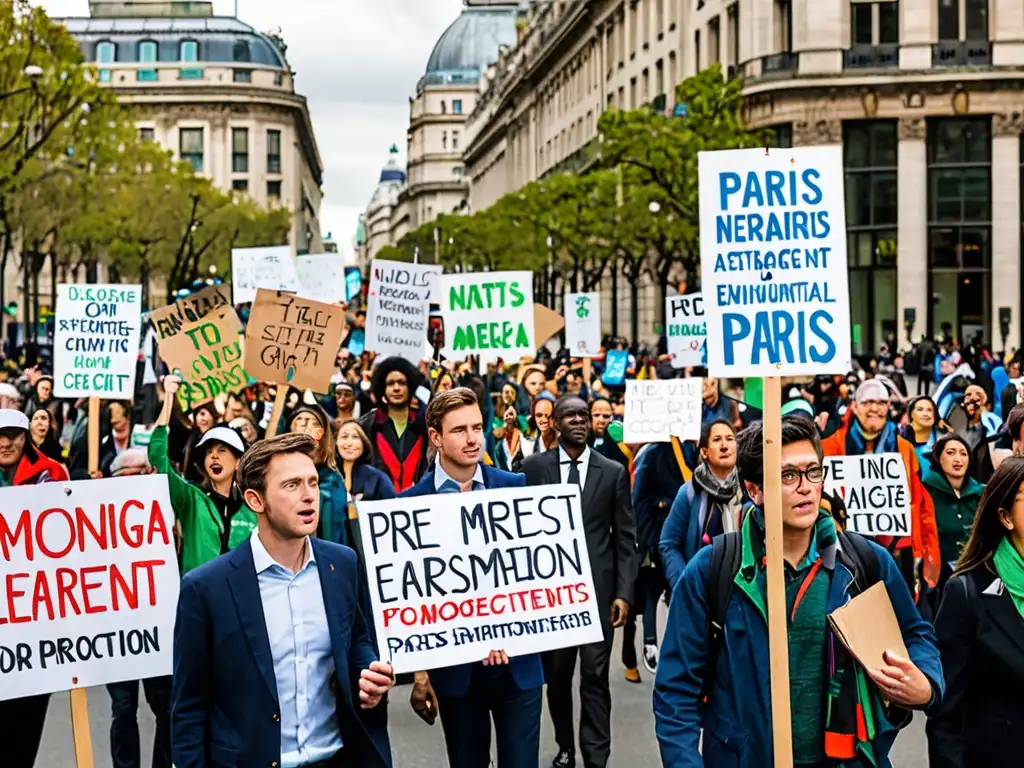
[[357, 61]]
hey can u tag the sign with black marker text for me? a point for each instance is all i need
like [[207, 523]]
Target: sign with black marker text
[[875, 490], [686, 330], [658, 410], [456, 576]]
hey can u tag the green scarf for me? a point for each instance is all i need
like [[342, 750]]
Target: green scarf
[[1010, 567]]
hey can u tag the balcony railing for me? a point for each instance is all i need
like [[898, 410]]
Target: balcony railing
[[779, 63], [872, 56], [959, 53]]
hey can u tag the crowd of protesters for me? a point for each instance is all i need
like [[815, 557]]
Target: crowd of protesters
[[680, 523]]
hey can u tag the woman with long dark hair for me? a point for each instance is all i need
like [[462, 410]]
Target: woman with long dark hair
[[980, 629]]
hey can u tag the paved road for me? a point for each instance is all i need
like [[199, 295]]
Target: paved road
[[417, 746]]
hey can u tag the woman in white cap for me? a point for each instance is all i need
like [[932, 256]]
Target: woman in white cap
[[214, 519]]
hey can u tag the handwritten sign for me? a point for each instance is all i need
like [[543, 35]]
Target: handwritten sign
[[207, 354], [290, 340], [686, 330], [322, 277], [656, 411], [875, 491], [454, 576], [773, 261], [489, 314], [96, 345], [272, 268], [169, 320], [91, 584], [583, 324], [398, 307]]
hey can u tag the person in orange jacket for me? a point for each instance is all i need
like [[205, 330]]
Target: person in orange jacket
[[866, 429]]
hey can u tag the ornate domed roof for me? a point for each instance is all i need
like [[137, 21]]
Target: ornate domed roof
[[471, 43], [391, 172]]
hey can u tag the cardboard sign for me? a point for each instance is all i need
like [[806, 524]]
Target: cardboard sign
[[90, 580], [875, 490], [452, 577], [295, 341], [868, 627], [583, 324], [686, 330], [96, 343], [169, 320], [489, 314], [656, 411], [546, 323], [207, 354], [773, 261], [271, 268], [322, 277], [398, 309]]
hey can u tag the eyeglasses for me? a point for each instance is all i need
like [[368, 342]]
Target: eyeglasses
[[814, 475]]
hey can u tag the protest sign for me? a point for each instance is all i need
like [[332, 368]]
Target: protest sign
[[91, 581], [322, 277], [96, 346], [272, 268], [583, 324], [773, 261], [207, 354], [686, 330], [616, 365], [875, 490], [454, 576], [656, 411], [353, 283], [295, 341], [546, 323], [168, 320], [397, 308], [489, 314]]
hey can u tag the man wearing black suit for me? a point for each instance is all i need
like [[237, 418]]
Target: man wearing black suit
[[611, 542]]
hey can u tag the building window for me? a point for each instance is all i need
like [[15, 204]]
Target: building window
[[242, 76], [188, 51], [963, 20], [240, 185], [784, 26], [714, 42], [274, 191], [147, 55], [444, 107], [457, 106], [455, 140], [659, 77], [444, 141], [106, 53], [458, 171], [959, 226], [191, 147], [239, 150], [147, 134], [733, 25], [869, 159], [241, 51], [696, 50], [782, 135], [874, 23], [273, 151]]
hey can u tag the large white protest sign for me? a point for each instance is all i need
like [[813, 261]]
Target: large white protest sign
[[875, 491], [322, 277], [656, 411], [90, 578], [272, 268], [489, 314], [686, 330], [96, 341], [773, 261], [398, 307], [583, 324], [455, 576]]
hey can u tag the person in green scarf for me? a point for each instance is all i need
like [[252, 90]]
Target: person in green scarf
[[980, 630]]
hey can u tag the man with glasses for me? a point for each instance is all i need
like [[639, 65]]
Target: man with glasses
[[867, 430], [841, 715]]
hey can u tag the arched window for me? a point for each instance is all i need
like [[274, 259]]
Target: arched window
[[147, 52], [242, 52], [188, 51], [106, 53]]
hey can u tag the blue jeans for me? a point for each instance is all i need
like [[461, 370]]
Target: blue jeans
[[125, 750], [466, 721]]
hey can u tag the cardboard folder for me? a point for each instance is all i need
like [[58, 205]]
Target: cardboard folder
[[867, 626]]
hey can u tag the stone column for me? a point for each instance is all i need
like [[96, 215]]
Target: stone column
[[1006, 224], [912, 231], [920, 27]]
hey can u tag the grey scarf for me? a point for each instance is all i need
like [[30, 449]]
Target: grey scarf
[[720, 491]]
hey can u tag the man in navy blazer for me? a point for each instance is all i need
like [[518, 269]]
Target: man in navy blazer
[[507, 690], [273, 665]]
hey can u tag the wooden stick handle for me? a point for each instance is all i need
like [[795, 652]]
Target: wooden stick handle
[[94, 434], [280, 400], [80, 728]]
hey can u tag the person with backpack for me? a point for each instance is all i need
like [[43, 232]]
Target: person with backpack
[[714, 668]]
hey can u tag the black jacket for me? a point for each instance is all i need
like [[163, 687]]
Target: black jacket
[[980, 722]]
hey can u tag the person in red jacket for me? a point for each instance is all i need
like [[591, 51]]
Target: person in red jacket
[[866, 429], [22, 720]]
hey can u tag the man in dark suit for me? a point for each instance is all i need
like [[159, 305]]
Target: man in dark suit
[[507, 690], [273, 665], [611, 542]]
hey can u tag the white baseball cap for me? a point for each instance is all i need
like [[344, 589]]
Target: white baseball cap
[[12, 419], [225, 435]]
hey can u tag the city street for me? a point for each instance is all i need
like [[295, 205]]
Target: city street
[[415, 745]]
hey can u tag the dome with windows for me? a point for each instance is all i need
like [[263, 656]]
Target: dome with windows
[[215, 39], [470, 44]]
